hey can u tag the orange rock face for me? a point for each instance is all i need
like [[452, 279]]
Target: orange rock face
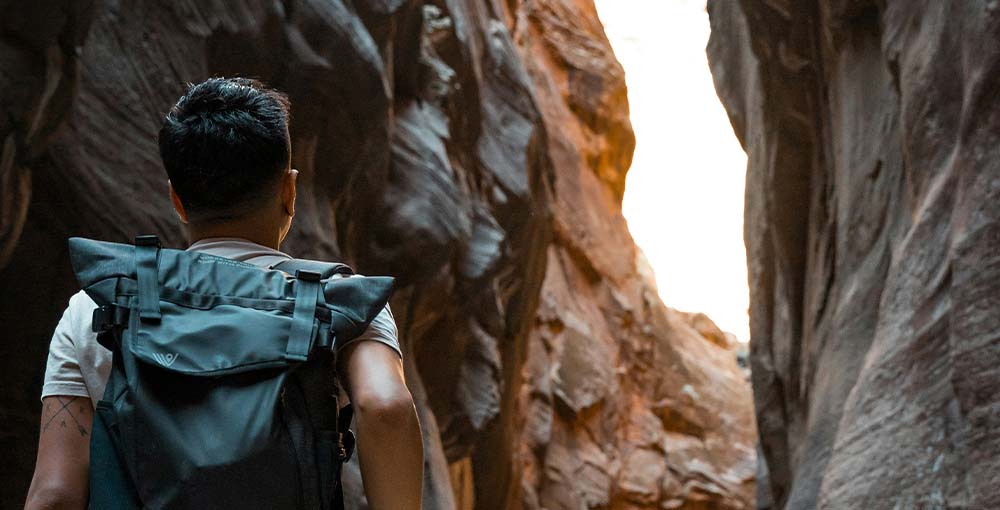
[[475, 150], [626, 403]]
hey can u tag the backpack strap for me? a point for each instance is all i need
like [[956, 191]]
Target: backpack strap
[[147, 259], [308, 275], [324, 405], [325, 269], [307, 289]]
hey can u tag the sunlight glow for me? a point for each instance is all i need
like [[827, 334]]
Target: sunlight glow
[[684, 192]]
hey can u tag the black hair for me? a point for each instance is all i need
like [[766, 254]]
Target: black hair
[[224, 146]]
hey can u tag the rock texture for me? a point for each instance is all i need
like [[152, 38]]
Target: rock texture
[[474, 149], [873, 235]]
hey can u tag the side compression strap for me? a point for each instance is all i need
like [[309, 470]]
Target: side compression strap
[[307, 289], [147, 255]]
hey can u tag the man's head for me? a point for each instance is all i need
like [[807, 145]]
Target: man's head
[[226, 148]]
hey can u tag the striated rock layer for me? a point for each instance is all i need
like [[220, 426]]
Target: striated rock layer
[[873, 235], [476, 150]]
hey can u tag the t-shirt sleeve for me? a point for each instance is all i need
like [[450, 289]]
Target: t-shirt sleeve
[[62, 370], [381, 329]]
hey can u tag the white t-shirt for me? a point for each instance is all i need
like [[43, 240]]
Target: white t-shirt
[[79, 366]]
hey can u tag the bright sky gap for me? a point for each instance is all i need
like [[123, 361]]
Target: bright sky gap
[[684, 192]]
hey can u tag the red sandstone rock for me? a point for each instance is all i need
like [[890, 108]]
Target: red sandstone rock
[[475, 150]]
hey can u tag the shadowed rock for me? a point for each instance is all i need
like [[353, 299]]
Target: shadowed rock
[[873, 235]]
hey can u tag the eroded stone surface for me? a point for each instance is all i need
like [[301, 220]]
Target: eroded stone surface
[[872, 227], [475, 150]]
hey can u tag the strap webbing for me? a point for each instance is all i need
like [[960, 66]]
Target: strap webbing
[[307, 289], [147, 255], [338, 492]]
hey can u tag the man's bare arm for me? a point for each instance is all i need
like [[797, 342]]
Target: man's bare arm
[[390, 447], [61, 471]]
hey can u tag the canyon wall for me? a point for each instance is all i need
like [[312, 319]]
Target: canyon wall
[[873, 235], [474, 149]]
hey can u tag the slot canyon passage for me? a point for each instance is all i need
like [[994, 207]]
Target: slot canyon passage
[[477, 149], [474, 149]]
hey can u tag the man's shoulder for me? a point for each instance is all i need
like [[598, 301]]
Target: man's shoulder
[[79, 315], [81, 304]]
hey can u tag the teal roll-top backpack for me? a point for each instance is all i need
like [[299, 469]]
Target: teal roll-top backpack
[[222, 393]]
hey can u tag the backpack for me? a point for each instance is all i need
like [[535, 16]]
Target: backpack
[[222, 392]]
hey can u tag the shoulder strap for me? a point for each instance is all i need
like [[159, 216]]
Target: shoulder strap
[[325, 269], [320, 387]]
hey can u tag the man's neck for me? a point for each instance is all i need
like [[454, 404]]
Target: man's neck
[[250, 231]]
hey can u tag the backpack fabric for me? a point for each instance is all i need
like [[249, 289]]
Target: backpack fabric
[[222, 392]]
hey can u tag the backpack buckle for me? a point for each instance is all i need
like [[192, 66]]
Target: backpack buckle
[[347, 441], [108, 317], [148, 240], [308, 276]]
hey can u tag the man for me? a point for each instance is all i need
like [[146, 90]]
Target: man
[[227, 152]]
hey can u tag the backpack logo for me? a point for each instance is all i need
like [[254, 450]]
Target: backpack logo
[[165, 359]]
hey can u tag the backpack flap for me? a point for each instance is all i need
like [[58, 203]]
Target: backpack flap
[[232, 335], [107, 271], [98, 265], [354, 302], [224, 339]]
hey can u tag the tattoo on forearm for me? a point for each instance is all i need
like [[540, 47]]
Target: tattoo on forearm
[[69, 409]]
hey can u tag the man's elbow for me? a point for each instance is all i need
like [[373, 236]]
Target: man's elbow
[[55, 497], [394, 405]]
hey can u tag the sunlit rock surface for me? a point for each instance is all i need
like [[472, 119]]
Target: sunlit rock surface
[[873, 235], [476, 150]]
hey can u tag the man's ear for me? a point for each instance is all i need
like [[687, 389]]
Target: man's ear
[[178, 206], [288, 190]]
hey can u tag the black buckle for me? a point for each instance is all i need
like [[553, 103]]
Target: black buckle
[[345, 438], [108, 317], [308, 276], [325, 338], [347, 441], [148, 240]]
